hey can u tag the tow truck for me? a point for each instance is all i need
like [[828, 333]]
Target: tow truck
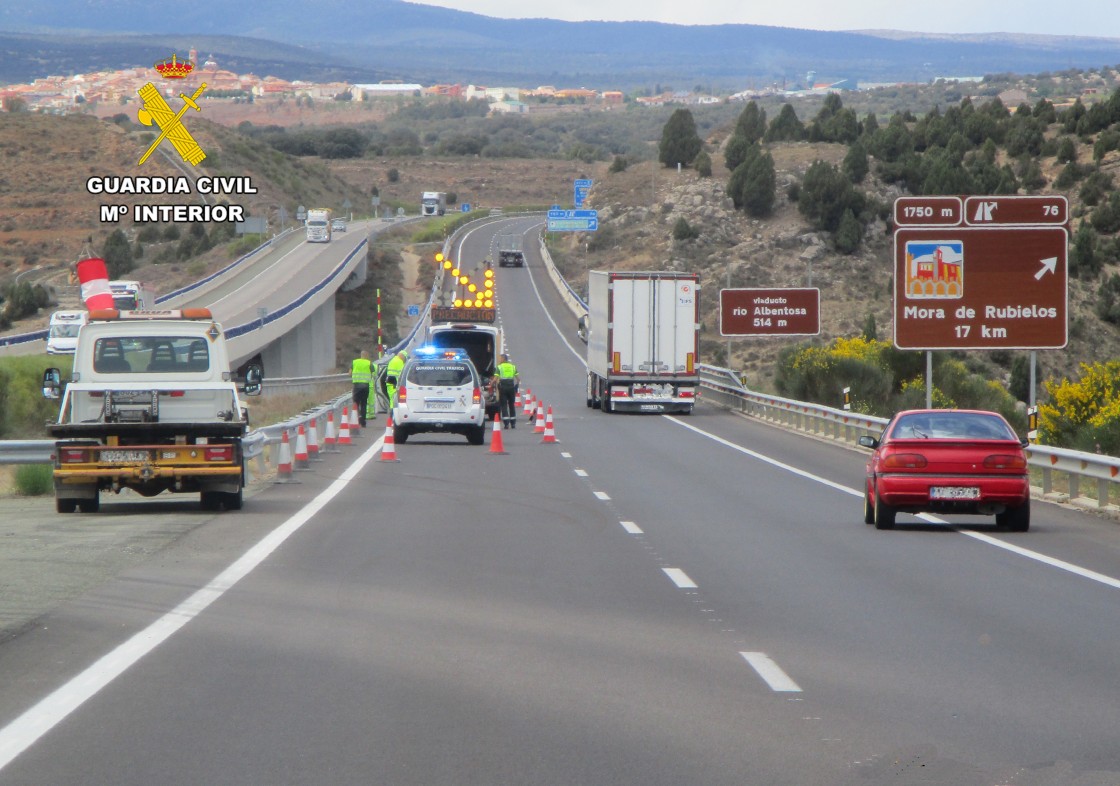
[[151, 406]]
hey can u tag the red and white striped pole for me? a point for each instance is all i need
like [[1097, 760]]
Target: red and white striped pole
[[94, 279]]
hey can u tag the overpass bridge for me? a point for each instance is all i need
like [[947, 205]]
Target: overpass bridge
[[276, 302]]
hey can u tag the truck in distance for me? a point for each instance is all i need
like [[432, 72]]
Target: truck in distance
[[132, 296], [318, 225], [152, 406], [433, 203], [643, 339], [510, 251]]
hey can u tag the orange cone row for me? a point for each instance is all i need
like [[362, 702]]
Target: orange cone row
[[389, 447]]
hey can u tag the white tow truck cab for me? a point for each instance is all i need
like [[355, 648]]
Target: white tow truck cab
[[153, 406]]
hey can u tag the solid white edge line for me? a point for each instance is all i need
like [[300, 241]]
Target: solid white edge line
[[771, 672], [25, 730], [1077, 570], [631, 527], [680, 578]]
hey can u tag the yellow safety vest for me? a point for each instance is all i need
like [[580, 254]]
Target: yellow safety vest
[[361, 372]]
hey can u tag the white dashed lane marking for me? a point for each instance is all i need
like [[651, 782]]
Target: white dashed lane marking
[[771, 672], [680, 578]]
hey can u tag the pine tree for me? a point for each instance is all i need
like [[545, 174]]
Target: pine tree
[[680, 143], [117, 253]]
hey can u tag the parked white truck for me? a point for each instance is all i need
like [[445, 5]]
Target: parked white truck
[[643, 340], [433, 203], [318, 225], [151, 406]]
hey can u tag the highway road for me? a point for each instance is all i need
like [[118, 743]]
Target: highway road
[[651, 600]]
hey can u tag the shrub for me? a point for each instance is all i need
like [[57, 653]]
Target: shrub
[[34, 480], [1084, 413], [684, 231]]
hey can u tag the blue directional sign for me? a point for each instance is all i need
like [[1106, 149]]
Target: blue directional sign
[[413, 310], [574, 224], [581, 188], [465, 207]]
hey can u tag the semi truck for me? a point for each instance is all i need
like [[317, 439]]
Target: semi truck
[[318, 225], [132, 296], [433, 203], [643, 340], [151, 406], [510, 251]]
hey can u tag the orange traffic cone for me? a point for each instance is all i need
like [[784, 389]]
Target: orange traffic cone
[[538, 428], [284, 466], [549, 431], [389, 447], [496, 437], [301, 456], [355, 423], [313, 440], [332, 435], [344, 428]]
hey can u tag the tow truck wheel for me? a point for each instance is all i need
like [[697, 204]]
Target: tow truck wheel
[[234, 500], [210, 500], [89, 505], [65, 504]]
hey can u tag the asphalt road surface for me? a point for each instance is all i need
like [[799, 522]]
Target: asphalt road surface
[[651, 600]]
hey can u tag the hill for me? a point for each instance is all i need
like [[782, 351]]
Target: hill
[[431, 45]]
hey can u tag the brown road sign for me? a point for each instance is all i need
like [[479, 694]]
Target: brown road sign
[[928, 211], [769, 312], [996, 287], [1034, 210]]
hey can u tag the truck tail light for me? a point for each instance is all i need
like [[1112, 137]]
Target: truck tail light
[[173, 393], [219, 453], [71, 456], [685, 393]]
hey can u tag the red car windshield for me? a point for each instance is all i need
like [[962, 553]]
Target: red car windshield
[[951, 425]]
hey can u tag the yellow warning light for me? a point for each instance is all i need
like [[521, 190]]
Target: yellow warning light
[[472, 288], [478, 303], [489, 303], [447, 264], [489, 273], [458, 302], [455, 272], [439, 256], [464, 280], [488, 293]]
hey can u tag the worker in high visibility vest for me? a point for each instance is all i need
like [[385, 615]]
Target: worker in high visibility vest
[[508, 382], [361, 376], [392, 375]]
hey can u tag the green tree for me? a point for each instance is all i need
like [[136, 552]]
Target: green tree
[[735, 151], [703, 164], [680, 143], [825, 194], [117, 253], [855, 162], [786, 127], [751, 123], [849, 233]]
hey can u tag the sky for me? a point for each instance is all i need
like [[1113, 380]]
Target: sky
[[1100, 18]]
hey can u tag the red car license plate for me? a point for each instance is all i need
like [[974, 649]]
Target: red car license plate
[[954, 492]]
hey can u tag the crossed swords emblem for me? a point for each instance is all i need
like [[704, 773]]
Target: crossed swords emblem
[[170, 123]]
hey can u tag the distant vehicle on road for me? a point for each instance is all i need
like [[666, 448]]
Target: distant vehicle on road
[[132, 296], [947, 461], [338, 225], [433, 203], [63, 336], [510, 252], [318, 225]]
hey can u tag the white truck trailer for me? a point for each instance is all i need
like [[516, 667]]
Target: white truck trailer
[[643, 341]]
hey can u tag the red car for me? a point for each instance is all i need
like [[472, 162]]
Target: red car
[[947, 461]]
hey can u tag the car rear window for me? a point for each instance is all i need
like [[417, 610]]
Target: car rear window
[[951, 425], [440, 374]]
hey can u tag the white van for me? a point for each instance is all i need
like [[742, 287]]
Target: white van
[[63, 336]]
